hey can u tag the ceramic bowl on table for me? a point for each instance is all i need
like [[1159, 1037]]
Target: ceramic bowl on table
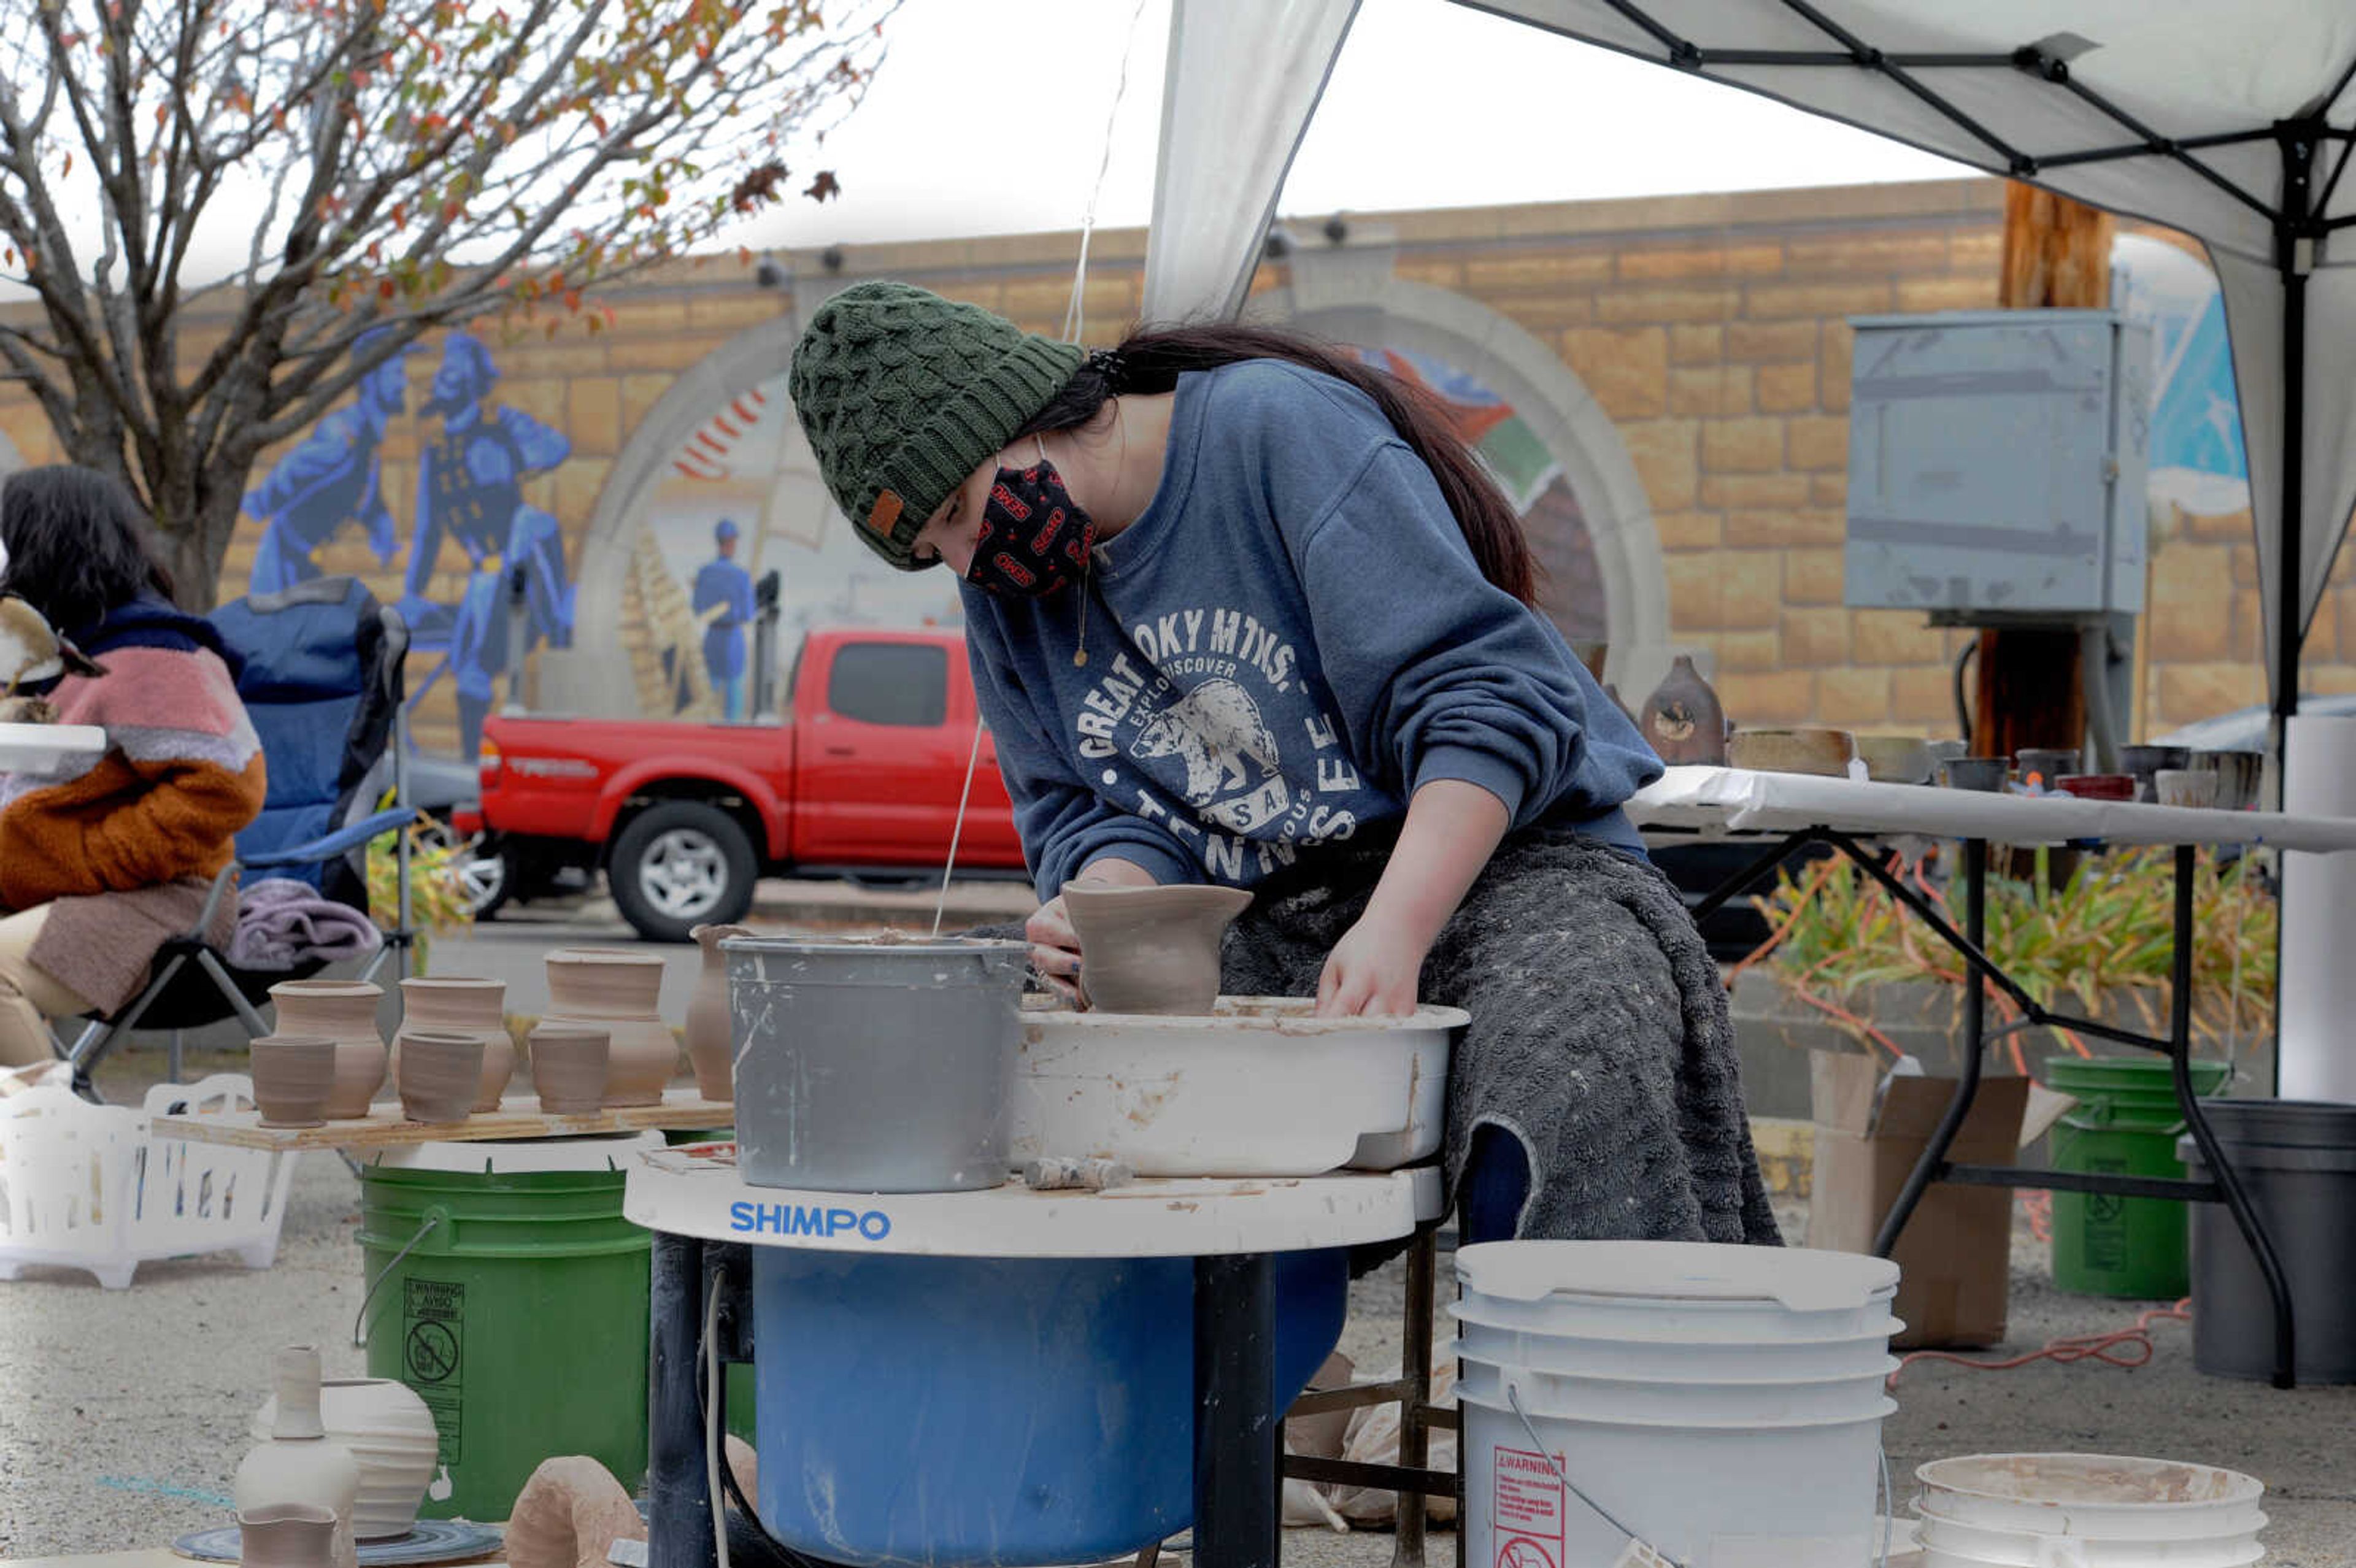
[[2098, 786], [1824, 754], [2183, 786], [2143, 763], [2041, 767], [1988, 775], [2238, 775], [1896, 759]]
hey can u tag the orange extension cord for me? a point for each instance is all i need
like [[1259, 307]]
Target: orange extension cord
[[2119, 1348]]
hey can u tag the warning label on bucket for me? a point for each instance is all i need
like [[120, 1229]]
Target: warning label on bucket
[[433, 1355], [1525, 1509]]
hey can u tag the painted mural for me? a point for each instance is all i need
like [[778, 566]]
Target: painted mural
[[474, 456], [739, 498]]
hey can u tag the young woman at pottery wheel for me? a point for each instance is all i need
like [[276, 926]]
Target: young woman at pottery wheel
[[1243, 610]]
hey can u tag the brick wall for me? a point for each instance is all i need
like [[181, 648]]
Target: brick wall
[[1710, 328]]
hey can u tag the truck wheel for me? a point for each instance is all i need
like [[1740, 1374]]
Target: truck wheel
[[678, 865], [485, 876]]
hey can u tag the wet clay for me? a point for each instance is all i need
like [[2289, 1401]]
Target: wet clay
[[710, 1031], [345, 1012], [1150, 950], [457, 1004], [568, 1068], [569, 1515], [617, 989]]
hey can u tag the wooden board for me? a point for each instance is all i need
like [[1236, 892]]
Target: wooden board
[[518, 1116]]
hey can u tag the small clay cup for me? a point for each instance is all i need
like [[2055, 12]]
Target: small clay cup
[[2183, 786], [1150, 950], [438, 1074], [1896, 759], [2143, 763], [1824, 754], [2043, 767], [292, 1076], [2098, 786], [568, 1068], [1984, 775], [287, 1535]]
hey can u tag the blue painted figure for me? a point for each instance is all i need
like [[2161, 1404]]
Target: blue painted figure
[[470, 488], [331, 479], [723, 604]]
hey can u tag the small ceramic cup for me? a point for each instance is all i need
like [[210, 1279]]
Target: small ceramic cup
[[439, 1073], [2098, 786], [287, 1535], [1984, 775], [2185, 786], [2043, 767], [568, 1067], [292, 1076]]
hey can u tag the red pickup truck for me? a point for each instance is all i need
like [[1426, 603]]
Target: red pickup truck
[[860, 778]]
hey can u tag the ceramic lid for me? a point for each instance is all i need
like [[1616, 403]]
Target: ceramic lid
[[1796, 1278], [495, 1156]]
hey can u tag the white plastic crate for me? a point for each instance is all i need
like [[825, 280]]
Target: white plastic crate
[[91, 1186]]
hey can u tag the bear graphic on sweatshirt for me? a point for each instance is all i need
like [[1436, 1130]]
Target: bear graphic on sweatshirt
[[1215, 728]]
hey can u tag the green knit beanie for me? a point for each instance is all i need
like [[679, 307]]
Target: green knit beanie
[[903, 394]]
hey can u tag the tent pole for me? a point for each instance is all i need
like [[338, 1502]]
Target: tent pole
[[2294, 247]]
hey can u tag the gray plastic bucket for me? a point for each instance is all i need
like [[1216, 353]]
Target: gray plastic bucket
[[2297, 1159], [873, 1066]]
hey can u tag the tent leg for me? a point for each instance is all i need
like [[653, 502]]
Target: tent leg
[[2291, 609]]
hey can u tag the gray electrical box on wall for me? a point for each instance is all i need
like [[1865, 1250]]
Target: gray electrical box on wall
[[1995, 463]]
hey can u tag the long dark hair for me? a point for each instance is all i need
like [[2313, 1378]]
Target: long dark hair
[[1151, 359], [76, 543]]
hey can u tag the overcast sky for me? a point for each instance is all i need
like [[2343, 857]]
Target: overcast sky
[[989, 117]]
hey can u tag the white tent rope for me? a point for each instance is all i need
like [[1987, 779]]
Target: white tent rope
[[1076, 313]]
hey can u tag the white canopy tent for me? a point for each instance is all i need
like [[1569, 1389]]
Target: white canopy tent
[[2232, 123]]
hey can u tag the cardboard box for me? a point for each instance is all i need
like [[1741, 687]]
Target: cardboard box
[[1954, 1256]]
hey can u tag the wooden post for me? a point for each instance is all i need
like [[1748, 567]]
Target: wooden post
[[2029, 691]]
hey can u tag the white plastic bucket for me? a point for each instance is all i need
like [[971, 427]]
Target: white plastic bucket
[[1724, 1404], [2086, 1510]]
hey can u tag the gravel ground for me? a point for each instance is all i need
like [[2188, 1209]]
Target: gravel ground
[[122, 1412]]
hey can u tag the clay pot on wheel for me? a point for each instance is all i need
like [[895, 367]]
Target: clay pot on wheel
[[1150, 950], [454, 1004], [287, 1535], [292, 1076], [616, 989], [345, 1012], [711, 1031], [390, 1430], [440, 1070], [568, 1068]]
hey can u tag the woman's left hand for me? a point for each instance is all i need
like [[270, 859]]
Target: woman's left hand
[[1373, 971]]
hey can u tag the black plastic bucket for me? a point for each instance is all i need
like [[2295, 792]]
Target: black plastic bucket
[[2296, 1160]]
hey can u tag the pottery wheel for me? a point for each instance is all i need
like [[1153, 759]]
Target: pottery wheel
[[434, 1540]]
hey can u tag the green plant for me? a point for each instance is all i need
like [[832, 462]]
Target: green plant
[[437, 900], [2107, 931]]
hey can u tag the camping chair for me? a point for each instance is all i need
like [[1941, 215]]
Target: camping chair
[[322, 685]]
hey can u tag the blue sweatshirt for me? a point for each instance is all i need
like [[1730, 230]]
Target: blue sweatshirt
[[1290, 641]]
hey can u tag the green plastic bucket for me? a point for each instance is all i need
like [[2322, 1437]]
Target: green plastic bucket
[[506, 1288], [2126, 1122]]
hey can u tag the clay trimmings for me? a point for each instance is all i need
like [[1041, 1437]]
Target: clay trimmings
[[569, 1515]]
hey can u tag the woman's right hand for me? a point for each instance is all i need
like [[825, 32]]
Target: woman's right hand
[[1055, 945]]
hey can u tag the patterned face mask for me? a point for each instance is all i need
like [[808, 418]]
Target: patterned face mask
[[1034, 540]]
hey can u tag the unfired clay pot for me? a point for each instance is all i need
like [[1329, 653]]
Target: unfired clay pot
[[463, 1005], [440, 1070], [617, 989], [287, 1535], [710, 1031], [292, 1076], [1825, 754], [1683, 719], [299, 1463], [1150, 950], [345, 1012], [568, 1067], [390, 1430]]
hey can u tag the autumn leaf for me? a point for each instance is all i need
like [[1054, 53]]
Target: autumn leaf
[[823, 186]]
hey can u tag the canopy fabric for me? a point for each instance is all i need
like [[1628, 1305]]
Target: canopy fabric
[[2233, 125], [1258, 67]]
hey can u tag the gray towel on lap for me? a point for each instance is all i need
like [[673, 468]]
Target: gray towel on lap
[[1599, 1036], [281, 922]]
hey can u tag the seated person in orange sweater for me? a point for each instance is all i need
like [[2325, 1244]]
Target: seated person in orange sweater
[[104, 858]]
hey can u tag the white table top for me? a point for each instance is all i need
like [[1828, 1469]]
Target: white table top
[[694, 1191], [39, 748], [1725, 801]]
